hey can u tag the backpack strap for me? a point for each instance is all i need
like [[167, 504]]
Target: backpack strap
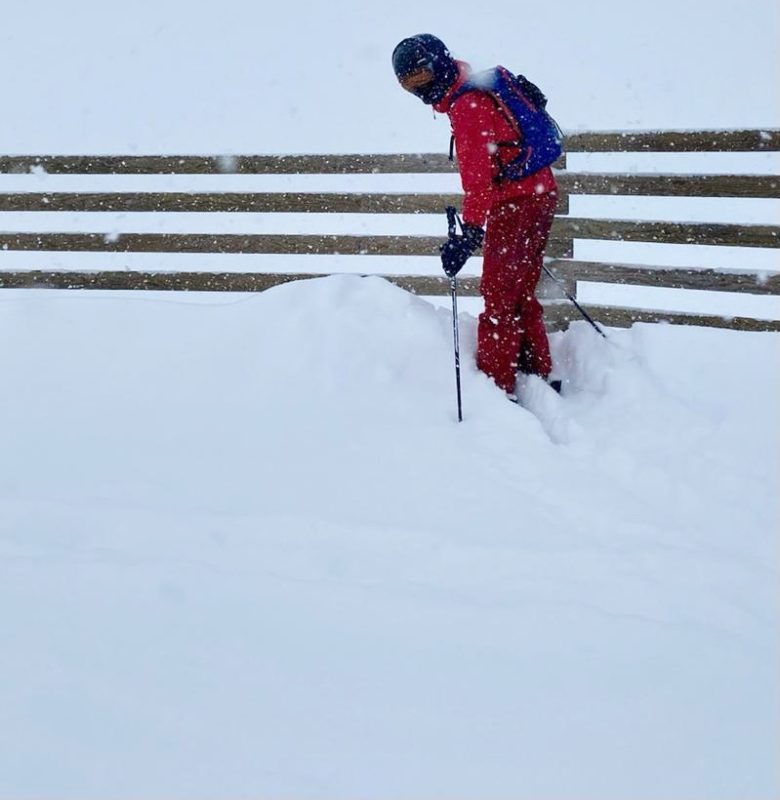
[[467, 87]]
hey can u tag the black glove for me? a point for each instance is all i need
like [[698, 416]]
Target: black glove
[[457, 250]]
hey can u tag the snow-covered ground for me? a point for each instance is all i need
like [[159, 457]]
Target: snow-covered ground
[[247, 550]]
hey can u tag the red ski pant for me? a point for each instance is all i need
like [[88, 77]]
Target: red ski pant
[[511, 334]]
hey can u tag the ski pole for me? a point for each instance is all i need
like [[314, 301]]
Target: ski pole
[[454, 293], [576, 304], [455, 332]]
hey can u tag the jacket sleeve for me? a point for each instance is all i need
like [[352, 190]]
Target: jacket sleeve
[[474, 126]]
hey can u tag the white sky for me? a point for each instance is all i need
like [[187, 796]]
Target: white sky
[[241, 76]]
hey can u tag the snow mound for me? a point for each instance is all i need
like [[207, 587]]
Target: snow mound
[[250, 550]]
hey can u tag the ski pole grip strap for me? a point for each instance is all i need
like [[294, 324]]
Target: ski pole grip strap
[[451, 215]]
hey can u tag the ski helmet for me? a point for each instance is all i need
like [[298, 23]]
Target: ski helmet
[[424, 66]]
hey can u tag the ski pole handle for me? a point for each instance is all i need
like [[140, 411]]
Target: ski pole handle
[[451, 214]]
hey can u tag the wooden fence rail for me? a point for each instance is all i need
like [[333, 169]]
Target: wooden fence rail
[[566, 229], [757, 186], [576, 142], [567, 274]]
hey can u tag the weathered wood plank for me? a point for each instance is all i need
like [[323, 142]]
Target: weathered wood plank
[[576, 142], [230, 165], [759, 186], [182, 281], [313, 164], [564, 229], [567, 271], [668, 232], [163, 281], [673, 141], [695, 278], [209, 281], [762, 186], [231, 202], [240, 243], [558, 316], [434, 285], [221, 243]]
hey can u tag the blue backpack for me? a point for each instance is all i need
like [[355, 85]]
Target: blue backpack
[[523, 105]]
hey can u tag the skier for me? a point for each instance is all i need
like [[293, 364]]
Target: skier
[[510, 210]]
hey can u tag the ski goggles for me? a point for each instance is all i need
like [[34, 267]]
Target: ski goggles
[[414, 81]]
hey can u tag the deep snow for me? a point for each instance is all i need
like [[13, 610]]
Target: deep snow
[[246, 549]]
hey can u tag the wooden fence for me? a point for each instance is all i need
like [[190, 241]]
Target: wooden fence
[[560, 250]]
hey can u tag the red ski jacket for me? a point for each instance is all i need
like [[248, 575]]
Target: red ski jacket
[[478, 126]]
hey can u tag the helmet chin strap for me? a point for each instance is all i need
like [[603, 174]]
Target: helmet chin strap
[[433, 92]]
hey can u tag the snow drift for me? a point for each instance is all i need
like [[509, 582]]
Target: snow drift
[[246, 548]]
